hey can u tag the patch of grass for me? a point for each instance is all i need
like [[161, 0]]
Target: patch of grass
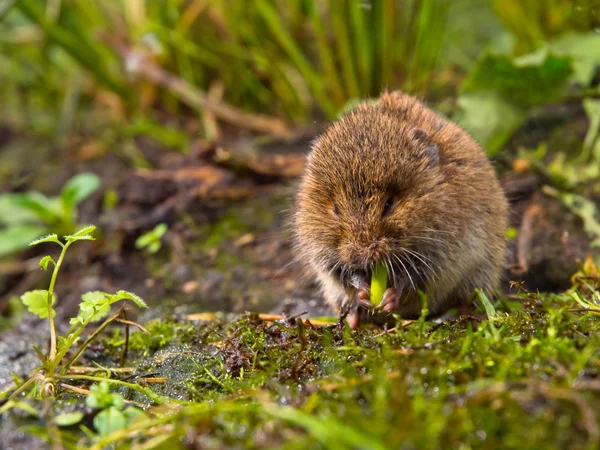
[[523, 377]]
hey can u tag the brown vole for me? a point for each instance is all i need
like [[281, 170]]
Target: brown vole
[[394, 183]]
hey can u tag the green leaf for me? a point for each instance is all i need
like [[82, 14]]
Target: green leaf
[[125, 295], [45, 261], [11, 212], [132, 413], [592, 110], [109, 421], [79, 188], [101, 397], [18, 237], [585, 208], [48, 238], [37, 302], [488, 118], [40, 205], [85, 237], [487, 304], [68, 419], [95, 305], [533, 79], [584, 50], [84, 231]]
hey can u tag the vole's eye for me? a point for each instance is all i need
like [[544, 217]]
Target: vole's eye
[[389, 205], [336, 210]]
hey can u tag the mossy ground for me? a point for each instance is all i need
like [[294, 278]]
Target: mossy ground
[[526, 377]]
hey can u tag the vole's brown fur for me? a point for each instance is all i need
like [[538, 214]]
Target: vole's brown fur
[[397, 184]]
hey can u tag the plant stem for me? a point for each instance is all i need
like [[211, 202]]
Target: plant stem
[[87, 342], [156, 398], [51, 296]]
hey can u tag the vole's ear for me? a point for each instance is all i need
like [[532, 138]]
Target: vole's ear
[[430, 148]]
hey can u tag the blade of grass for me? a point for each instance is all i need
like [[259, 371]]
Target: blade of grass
[[313, 79], [323, 47], [340, 26], [330, 432], [76, 45], [362, 41]]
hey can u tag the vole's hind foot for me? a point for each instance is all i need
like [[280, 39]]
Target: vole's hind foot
[[353, 319]]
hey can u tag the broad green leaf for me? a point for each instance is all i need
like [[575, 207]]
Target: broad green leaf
[[78, 188], [109, 421], [125, 295], [45, 261], [37, 303], [47, 238], [68, 419], [101, 397], [43, 207], [11, 212], [488, 118], [94, 305], [530, 80], [18, 237], [154, 247], [132, 413], [584, 50]]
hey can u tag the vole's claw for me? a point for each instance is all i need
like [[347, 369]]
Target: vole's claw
[[365, 303], [391, 300]]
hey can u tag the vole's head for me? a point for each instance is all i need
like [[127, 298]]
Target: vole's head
[[373, 193]]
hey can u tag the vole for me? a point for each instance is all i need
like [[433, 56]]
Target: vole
[[393, 183]]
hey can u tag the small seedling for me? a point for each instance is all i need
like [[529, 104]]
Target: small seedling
[[27, 215], [94, 307], [378, 283], [113, 415], [151, 240]]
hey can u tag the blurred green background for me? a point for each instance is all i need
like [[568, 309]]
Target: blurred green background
[[93, 75], [146, 65]]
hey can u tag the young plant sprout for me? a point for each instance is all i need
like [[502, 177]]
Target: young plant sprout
[[95, 306], [378, 283]]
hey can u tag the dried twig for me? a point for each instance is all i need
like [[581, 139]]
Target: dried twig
[[525, 236], [139, 65]]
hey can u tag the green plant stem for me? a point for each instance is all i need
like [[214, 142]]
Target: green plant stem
[[57, 267], [156, 398], [87, 342]]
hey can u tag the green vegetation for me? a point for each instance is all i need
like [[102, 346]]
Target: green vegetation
[[95, 306], [27, 215], [94, 82], [522, 377], [151, 240]]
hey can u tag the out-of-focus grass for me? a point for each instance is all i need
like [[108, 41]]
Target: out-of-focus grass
[[288, 59]]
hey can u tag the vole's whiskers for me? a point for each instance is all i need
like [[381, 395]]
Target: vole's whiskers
[[423, 259], [407, 272]]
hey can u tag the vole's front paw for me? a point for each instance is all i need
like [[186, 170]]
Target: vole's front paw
[[391, 300]]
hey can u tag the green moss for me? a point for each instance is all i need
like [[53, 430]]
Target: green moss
[[523, 379]]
